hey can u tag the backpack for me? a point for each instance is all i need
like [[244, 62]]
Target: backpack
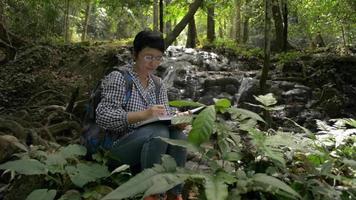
[[93, 137]]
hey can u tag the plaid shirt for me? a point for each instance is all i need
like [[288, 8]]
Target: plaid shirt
[[111, 113]]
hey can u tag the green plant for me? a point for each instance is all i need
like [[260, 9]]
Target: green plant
[[245, 162], [62, 169], [223, 156]]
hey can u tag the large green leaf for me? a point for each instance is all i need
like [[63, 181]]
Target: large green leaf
[[274, 184], [55, 163], [266, 100], [182, 143], [72, 151], [203, 126], [184, 103], [84, 173], [150, 181], [183, 119], [215, 188], [243, 114], [42, 194], [25, 166]]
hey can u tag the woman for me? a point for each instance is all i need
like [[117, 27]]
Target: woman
[[138, 145]]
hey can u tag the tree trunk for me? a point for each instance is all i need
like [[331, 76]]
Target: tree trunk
[[66, 22], [86, 20], [155, 15], [245, 24], [237, 20], [278, 24], [2, 12], [267, 46], [168, 24], [161, 17], [245, 30], [211, 23], [180, 26], [192, 34], [285, 27], [343, 35]]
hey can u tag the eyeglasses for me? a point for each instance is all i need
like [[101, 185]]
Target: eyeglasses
[[153, 58]]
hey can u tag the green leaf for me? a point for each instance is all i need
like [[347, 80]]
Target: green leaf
[[182, 119], [25, 166], [84, 173], [169, 163], [268, 182], [184, 103], [266, 100], [306, 131], [215, 188], [243, 114], [182, 143], [42, 194], [72, 151], [55, 160], [275, 156], [71, 195], [222, 104], [203, 126], [232, 156], [150, 181]]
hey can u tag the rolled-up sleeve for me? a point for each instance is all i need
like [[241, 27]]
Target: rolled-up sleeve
[[110, 113]]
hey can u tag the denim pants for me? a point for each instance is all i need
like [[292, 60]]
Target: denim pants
[[143, 149]]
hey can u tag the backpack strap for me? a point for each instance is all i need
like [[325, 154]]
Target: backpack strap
[[128, 85]]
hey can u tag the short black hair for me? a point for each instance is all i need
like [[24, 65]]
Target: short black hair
[[148, 38]]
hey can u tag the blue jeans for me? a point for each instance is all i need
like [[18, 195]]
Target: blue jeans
[[142, 148]]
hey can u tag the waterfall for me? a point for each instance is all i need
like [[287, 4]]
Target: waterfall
[[169, 76], [246, 83]]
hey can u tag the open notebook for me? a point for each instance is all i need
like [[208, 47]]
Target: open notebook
[[167, 118]]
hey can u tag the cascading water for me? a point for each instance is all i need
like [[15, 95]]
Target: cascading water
[[169, 76], [246, 84]]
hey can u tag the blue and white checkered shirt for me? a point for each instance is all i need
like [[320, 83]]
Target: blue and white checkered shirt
[[111, 113]]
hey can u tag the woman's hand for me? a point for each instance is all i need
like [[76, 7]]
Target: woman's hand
[[155, 111]]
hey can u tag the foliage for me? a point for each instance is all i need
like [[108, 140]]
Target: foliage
[[286, 57], [241, 160], [61, 168], [274, 164], [230, 45]]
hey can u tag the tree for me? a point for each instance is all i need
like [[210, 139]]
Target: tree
[[161, 17], [267, 46], [86, 19], [155, 15], [66, 21], [168, 24], [245, 19], [211, 22], [237, 20], [181, 25], [192, 34]]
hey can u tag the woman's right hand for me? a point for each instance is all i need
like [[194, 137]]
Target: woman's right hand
[[155, 111]]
